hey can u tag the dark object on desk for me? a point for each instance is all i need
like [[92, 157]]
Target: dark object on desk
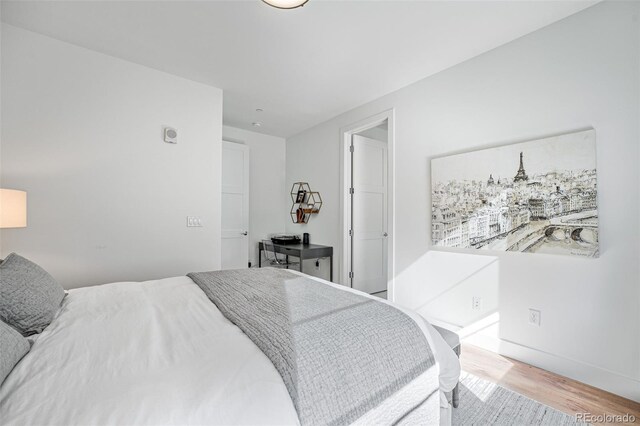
[[305, 238], [302, 252], [285, 239]]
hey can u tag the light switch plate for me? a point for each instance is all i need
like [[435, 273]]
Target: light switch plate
[[194, 222]]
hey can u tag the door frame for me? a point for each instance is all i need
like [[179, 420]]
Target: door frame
[[345, 203]]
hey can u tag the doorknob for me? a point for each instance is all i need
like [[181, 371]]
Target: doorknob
[[385, 235], [245, 233]]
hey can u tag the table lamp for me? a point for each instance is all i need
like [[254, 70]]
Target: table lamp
[[13, 208]]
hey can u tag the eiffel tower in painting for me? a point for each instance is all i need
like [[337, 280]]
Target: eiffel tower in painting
[[521, 176]]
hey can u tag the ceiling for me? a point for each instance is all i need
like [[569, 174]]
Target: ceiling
[[302, 66]]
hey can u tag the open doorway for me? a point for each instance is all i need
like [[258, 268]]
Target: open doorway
[[368, 206]]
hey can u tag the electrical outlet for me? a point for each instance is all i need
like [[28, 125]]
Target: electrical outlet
[[193, 222], [476, 303], [534, 317]]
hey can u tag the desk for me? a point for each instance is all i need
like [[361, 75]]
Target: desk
[[302, 252]]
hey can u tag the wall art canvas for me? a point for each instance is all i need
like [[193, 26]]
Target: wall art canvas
[[535, 197]]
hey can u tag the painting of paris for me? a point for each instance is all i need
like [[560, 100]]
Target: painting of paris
[[536, 197]]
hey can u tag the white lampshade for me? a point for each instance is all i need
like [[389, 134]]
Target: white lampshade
[[285, 4], [13, 208]]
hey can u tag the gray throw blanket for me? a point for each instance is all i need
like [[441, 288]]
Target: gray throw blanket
[[339, 354]]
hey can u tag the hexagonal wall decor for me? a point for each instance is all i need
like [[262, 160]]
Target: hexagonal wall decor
[[305, 202]]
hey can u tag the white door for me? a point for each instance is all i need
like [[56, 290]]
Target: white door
[[369, 215], [235, 205]]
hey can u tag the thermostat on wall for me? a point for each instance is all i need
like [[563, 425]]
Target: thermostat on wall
[[170, 135]]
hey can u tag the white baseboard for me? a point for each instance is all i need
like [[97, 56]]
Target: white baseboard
[[598, 377]]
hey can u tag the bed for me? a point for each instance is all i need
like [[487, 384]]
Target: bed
[[160, 352]]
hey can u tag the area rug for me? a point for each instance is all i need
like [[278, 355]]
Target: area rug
[[485, 403]]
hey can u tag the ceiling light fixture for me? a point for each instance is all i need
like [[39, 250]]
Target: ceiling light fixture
[[285, 4]]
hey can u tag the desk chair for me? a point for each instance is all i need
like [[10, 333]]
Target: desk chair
[[272, 257]]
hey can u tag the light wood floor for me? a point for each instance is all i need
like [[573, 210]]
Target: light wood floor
[[558, 392]]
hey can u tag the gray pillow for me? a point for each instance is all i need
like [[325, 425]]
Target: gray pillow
[[14, 347], [29, 296]]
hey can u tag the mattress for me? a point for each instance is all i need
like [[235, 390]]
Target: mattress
[[160, 353]]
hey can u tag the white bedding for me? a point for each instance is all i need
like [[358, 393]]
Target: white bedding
[[154, 353]]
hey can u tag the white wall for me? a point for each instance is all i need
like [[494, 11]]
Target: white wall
[[313, 157], [108, 199], [580, 72], [268, 199]]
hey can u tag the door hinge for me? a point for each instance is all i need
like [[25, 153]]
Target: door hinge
[[351, 274], [351, 232], [352, 191], [351, 148]]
